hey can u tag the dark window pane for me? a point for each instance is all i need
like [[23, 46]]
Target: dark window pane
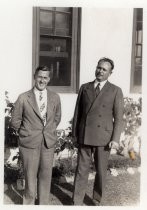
[[63, 9], [139, 26], [62, 21], [46, 44], [139, 14], [62, 24], [47, 8], [138, 62], [46, 31], [62, 32], [53, 44], [46, 19], [137, 76]]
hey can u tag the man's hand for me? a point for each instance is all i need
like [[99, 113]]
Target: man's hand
[[113, 145]]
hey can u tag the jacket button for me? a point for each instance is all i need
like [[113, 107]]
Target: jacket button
[[103, 105], [98, 126], [100, 115]]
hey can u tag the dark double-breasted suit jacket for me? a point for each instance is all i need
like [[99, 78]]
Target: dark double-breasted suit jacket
[[26, 119], [98, 120]]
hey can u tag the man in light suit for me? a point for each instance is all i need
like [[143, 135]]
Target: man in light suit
[[97, 125], [36, 116]]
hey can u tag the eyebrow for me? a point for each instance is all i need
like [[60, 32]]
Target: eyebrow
[[98, 67], [42, 76]]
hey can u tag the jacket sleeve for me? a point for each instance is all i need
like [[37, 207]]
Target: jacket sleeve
[[17, 114], [77, 113], [118, 110], [58, 112]]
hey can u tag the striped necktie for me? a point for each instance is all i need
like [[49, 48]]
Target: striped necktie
[[42, 107]]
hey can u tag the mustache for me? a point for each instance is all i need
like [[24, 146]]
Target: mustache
[[99, 74]]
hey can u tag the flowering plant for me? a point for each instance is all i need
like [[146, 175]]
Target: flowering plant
[[64, 139], [130, 140], [132, 115], [11, 137]]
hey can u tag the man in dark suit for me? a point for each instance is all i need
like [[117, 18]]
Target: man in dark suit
[[36, 116], [97, 127]]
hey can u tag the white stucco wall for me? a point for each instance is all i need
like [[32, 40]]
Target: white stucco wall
[[105, 32], [16, 47]]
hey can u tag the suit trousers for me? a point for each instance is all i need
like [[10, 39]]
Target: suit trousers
[[100, 155], [37, 165]]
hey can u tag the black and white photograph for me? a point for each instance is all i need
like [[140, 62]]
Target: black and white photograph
[[73, 103]]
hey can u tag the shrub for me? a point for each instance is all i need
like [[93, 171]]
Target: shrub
[[131, 127]]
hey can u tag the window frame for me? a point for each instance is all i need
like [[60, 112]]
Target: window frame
[[75, 50], [135, 88]]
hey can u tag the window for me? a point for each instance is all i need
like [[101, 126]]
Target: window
[[56, 44], [136, 73]]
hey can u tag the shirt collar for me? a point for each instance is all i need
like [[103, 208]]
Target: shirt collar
[[101, 83], [36, 91]]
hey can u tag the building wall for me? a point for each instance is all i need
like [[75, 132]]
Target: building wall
[[105, 32]]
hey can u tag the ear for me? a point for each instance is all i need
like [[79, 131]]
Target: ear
[[48, 80], [110, 72]]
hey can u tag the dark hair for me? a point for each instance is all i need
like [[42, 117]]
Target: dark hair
[[104, 59], [42, 68]]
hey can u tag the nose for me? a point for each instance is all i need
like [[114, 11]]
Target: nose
[[42, 79], [99, 69]]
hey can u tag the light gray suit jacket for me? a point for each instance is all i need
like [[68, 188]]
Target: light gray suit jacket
[[98, 120], [26, 119]]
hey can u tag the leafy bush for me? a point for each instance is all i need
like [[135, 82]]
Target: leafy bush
[[132, 115], [11, 137], [131, 127]]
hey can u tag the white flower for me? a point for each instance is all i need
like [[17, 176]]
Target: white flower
[[130, 170], [114, 172], [13, 158], [67, 131]]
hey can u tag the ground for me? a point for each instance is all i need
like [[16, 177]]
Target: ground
[[121, 190]]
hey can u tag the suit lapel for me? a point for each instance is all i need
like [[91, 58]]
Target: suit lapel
[[103, 90], [32, 101], [90, 91], [50, 103]]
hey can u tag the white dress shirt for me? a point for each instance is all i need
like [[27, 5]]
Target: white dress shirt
[[101, 84], [44, 95]]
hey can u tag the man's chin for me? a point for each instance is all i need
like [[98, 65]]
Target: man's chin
[[41, 88], [99, 79]]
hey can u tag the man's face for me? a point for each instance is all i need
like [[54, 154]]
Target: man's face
[[103, 71], [41, 80]]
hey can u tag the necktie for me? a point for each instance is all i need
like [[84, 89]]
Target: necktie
[[97, 89], [40, 96], [42, 107]]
